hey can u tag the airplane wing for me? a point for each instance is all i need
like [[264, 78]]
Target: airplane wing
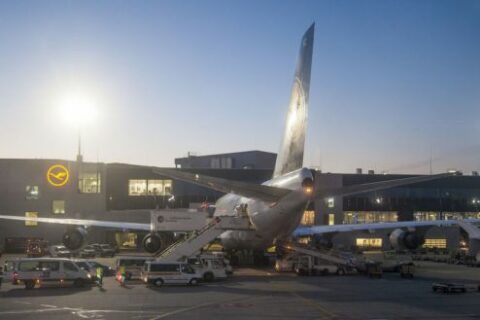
[[85, 223], [245, 189], [375, 186], [340, 228]]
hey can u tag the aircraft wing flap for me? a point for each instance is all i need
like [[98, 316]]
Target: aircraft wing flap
[[85, 223], [245, 189]]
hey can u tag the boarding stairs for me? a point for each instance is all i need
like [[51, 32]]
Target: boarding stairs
[[185, 248], [327, 256]]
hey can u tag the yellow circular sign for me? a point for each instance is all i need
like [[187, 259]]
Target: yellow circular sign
[[57, 175]]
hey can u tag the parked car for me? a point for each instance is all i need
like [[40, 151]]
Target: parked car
[[59, 251], [88, 252], [160, 273], [107, 250]]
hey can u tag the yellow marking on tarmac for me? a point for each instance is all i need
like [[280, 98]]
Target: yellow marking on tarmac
[[318, 306]]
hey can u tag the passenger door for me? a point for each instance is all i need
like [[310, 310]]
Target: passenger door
[[50, 271], [8, 270], [70, 271]]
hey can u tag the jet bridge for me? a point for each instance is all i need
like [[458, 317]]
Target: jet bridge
[[185, 248]]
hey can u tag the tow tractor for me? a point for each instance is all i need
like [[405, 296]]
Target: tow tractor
[[446, 287]]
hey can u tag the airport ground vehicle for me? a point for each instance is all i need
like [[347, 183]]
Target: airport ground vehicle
[[133, 266], [59, 251], [308, 265], [91, 267], [389, 260], [449, 287], [209, 267], [407, 270], [44, 271], [287, 263], [158, 273], [374, 269], [36, 248]]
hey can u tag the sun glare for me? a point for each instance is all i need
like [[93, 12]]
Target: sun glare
[[78, 109]]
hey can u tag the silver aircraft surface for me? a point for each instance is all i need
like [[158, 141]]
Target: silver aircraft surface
[[275, 207]]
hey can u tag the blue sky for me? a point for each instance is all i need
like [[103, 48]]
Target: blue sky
[[393, 82]]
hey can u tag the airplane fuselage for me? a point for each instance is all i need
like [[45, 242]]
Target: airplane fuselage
[[270, 221]]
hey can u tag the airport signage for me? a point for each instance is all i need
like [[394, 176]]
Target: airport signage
[[57, 175]]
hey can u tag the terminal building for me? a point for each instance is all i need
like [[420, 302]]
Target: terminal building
[[123, 192]]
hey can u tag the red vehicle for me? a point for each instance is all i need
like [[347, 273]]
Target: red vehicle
[[36, 248]]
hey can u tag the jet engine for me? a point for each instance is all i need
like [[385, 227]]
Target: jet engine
[[410, 240], [74, 238], [154, 242]]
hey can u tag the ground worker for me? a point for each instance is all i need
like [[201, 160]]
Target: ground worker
[[99, 272], [121, 275]]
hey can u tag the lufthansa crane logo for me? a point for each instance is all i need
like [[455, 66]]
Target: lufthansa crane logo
[[57, 175]]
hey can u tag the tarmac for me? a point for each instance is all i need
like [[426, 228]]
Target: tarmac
[[256, 294]]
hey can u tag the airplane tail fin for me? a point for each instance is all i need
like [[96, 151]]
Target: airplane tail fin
[[290, 156]]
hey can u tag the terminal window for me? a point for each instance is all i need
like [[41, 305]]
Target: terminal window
[[351, 217], [331, 219], [435, 243], [369, 242], [331, 202], [149, 187], [426, 216], [31, 192], [31, 215], [89, 182], [58, 206], [159, 187], [308, 218]]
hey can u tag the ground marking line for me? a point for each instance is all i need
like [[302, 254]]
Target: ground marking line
[[171, 313], [316, 305]]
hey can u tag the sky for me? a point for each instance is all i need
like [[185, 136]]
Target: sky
[[395, 84]]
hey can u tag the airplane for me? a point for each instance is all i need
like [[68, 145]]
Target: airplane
[[274, 208]]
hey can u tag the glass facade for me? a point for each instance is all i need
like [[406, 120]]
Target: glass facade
[[435, 243], [89, 182], [58, 206], [149, 187], [31, 215], [352, 217], [159, 187], [308, 218], [433, 215], [31, 193], [331, 219], [369, 242]]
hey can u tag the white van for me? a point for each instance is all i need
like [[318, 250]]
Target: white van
[[209, 267], [159, 273], [133, 266], [45, 271]]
